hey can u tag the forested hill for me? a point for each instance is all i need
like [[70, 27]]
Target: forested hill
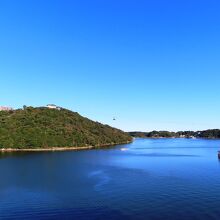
[[44, 128], [211, 134]]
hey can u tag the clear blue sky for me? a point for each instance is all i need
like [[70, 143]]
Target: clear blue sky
[[151, 64]]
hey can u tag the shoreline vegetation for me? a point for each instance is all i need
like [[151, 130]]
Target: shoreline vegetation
[[37, 129], [2, 150], [207, 134]]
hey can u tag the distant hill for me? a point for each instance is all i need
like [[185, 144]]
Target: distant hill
[[211, 134], [44, 128]]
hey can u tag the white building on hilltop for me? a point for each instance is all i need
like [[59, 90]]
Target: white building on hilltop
[[5, 108], [52, 106]]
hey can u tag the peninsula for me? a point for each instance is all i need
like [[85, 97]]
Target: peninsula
[[54, 128]]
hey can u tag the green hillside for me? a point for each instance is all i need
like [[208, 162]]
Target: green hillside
[[45, 128]]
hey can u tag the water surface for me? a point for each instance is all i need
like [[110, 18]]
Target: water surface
[[148, 179]]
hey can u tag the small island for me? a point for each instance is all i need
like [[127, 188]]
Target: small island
[[54, 128]]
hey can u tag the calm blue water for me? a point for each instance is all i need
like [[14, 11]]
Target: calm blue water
[[152, 179]]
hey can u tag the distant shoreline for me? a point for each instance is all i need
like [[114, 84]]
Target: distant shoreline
[[194, 138], [207, 134], [2, 150]]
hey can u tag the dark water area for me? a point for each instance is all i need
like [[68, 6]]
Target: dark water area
[[148, 179]]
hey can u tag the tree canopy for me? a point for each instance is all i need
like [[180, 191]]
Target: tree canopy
[[42, 128]]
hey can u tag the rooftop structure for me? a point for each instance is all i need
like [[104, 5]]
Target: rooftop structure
[[52, 106]]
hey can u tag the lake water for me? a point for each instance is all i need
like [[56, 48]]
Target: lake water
[[150, 179]]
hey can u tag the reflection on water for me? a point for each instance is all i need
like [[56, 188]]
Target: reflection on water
[[101, 177], [151, 179]]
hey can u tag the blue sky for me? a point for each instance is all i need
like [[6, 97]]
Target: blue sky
[[150, 64]]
